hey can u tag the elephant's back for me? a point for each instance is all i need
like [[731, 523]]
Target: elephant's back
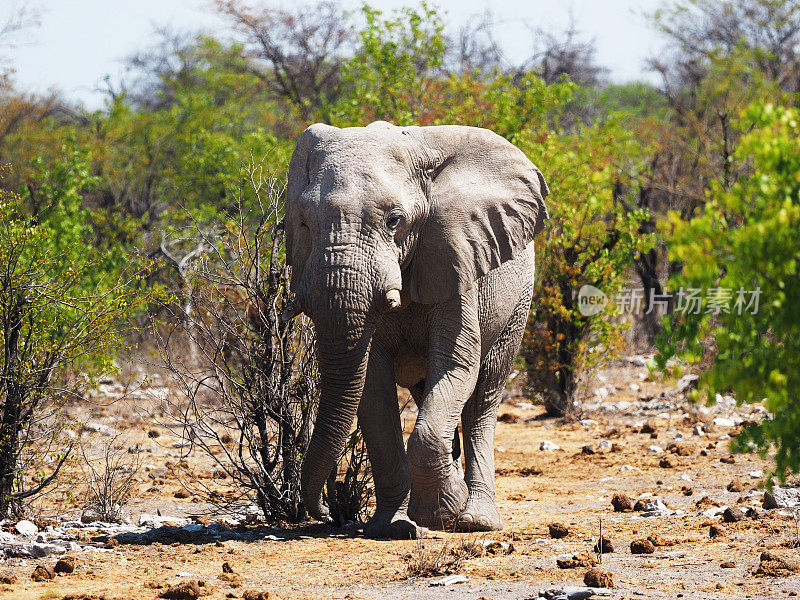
[[502, 293]]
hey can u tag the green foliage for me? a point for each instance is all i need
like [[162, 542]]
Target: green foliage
[[592, 238], [393, 67], [61, 307], [746, 239]]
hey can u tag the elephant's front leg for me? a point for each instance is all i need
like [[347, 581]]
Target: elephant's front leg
[[379, 418], [438, 491]]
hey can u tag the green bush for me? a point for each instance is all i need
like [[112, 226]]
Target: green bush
[[744, 249]]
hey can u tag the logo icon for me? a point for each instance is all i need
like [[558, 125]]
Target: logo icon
[[591, 300]]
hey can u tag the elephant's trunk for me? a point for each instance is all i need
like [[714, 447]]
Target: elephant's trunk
[[343, 341]]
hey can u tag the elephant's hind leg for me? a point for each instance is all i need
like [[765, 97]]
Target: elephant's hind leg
[[379, 418], [479, 420]]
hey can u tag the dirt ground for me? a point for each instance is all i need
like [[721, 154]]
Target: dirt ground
[[535, 488]]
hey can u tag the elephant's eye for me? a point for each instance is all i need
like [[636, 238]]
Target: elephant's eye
[[393, 221]]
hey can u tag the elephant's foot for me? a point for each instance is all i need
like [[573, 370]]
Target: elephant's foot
[[480, 514], [393, 524], [437, 507]]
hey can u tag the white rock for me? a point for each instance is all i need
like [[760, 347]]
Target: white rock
[[698, 430], [623, 405], [450, 580], [756, 474], [624, 468], [604, 444], [525, 405], [634, 387], [588, 422], [687, 382], [25, 527], [547, 445], [101, 429], [655, 449], [685, 478], [42, 550], [724, 422]]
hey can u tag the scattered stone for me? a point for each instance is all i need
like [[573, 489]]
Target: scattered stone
[[728, 460], [186, 590], [735, 485], [40, 550], [42, 573], [655, 449], [724, 422], [547, 446], [66, 564], [496, 547], [153, 434], [605, 445], [686, 490], [226, 567], [775, 565], [605, 544], [251, 595], [598, 578], [728, 564], [659, 540], [717, 531], [698, 430], [581, 559], [680, 449], [732, 515], [8, 579], [621, 503], [648, 427], [640, 505], [444, 582], [182, 494], [26, 527], [687, 383], [705, 502], [587, 449], [567, 593], [665, 463], [642, 546], [782, 498], [91, 515], [558, 530], [770, 502], [101, 429], [615, 447]]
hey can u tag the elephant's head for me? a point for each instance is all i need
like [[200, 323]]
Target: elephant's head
[[381, 216]]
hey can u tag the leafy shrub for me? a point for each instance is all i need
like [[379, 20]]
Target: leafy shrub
[[744, 246]]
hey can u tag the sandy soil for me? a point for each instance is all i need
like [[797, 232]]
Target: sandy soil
[[534, 488]]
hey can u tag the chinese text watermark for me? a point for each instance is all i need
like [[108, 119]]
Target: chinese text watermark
[[714, 301]]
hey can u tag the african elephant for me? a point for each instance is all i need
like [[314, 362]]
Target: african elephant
[[411, 250]]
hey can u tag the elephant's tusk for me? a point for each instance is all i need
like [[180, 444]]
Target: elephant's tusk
[[291, 310], [392, 300]]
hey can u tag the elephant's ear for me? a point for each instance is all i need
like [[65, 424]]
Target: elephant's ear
[[486, 205], [298, 239]]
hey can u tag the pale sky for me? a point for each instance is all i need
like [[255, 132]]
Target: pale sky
[[80, 41]]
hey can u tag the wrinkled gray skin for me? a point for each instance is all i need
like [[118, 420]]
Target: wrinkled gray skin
[[411, 250]]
